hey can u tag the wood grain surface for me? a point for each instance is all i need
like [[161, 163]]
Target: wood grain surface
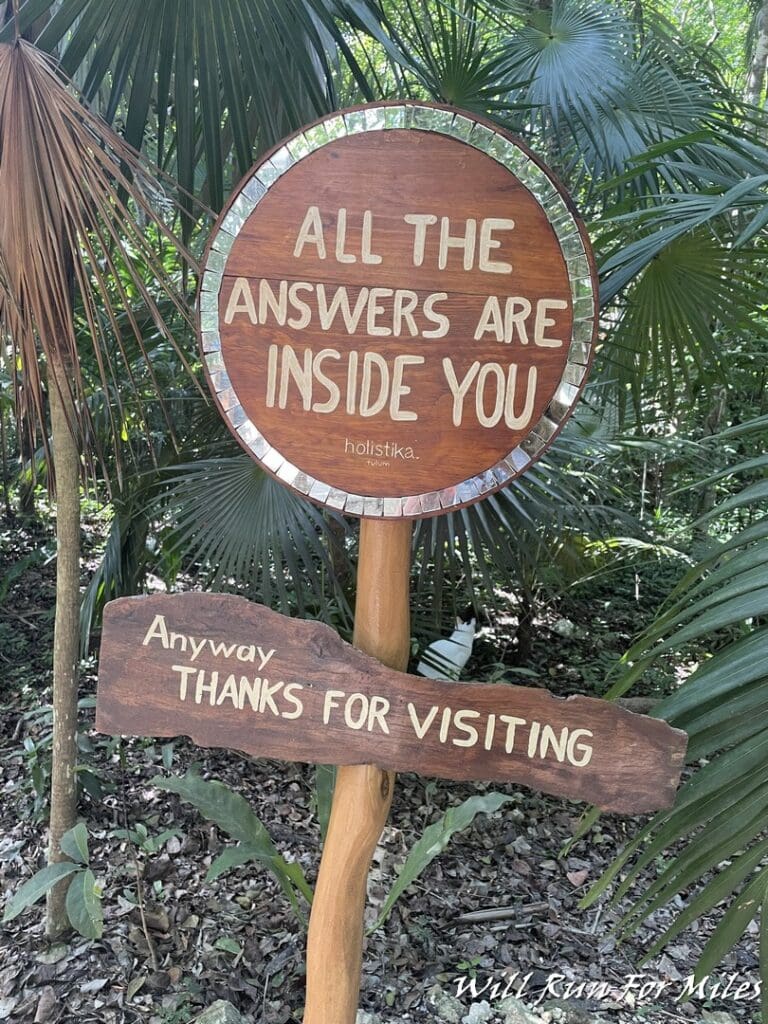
[[308, 696], [363, 793], [391, 176]]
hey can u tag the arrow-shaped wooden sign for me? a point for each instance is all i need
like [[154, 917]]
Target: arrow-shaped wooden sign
[[230, 673]]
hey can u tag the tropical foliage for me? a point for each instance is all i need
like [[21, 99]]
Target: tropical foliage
[[649, 129], [720, 811]]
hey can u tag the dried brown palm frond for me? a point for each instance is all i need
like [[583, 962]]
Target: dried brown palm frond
[[79, 228]]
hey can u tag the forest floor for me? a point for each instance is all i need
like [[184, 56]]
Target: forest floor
[[238, 939]]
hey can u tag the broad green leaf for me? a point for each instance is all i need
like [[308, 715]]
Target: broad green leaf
[[748, 539], [730, 585], [325, 780], [733, 924], [227, 945], [759, 423], [75, 843], [84, 905], [722, 706], [296, 875], [37, 886], [435, 839], [232, 813], [232, 857], [227, 809]]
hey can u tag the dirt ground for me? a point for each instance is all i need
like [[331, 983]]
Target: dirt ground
[[238, 939]]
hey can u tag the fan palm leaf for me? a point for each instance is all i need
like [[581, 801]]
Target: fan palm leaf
[[600, 90], [239, 526], [515, 533], [69, 232], [219, 80], [450, 51]]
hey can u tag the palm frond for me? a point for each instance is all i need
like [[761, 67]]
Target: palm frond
[[225, 79], [79, 227], [514, 533], [672, 314], [601, 88], [574, 55], [454, 57], [720, 605], [243, 529]]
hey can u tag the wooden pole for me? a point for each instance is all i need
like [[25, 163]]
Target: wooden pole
[[363, 793]]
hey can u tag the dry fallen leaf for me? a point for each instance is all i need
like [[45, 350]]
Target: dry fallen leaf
[[46, 1005], [577, 878]]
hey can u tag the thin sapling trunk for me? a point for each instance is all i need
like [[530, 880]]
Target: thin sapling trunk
[[66, 464]]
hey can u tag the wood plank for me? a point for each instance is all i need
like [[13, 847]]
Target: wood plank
[[230, 673]]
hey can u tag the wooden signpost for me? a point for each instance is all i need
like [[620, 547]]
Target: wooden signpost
[[397, 315]]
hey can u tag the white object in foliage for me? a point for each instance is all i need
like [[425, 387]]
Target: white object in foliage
[[444, 659]]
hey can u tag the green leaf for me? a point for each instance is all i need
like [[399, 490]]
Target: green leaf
[[435, 839], [717, 890], [227, 809], [717, 823], [37, 886], [676, 295], [325, 780], [232, 813], [733, 924], [75, 843], [241, 524], [718, 842], [231, 74], [232, 857], [707, 797], [717, 679], [84, 905], [227, 945]]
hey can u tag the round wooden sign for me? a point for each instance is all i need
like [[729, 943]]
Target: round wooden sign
[[397, 310]]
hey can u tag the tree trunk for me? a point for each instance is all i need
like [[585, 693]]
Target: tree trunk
[[524, 632], [5, 470], [757, 67], [66, 463], [712, 426]]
